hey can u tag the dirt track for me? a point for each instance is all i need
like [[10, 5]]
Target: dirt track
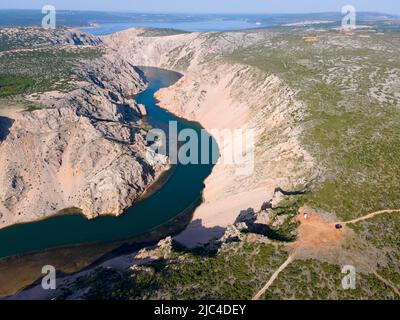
[[370, 216], [273, 277], [318, 234]]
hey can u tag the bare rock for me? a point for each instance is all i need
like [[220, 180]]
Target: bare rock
[[162, 250], [265, 217], [277, 198], [87, 151], [279, 220], [232, 234], [142, 110]]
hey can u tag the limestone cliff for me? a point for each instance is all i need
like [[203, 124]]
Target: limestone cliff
[[224, 95], [83, 149]]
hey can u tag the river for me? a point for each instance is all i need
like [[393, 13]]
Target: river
[[183, 188]]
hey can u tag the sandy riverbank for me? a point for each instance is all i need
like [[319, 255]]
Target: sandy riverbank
[[222, 95]]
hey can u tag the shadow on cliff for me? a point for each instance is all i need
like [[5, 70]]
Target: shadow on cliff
[[5, 125], [207, 243], [249, 218], [127, 113]]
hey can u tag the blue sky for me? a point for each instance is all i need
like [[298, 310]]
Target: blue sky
[[209, 6]]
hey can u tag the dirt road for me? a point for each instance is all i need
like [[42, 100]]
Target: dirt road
[[273, 277], [318, 234], [370, 216]]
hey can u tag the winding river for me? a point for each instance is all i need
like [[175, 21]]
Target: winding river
[[183, 188]]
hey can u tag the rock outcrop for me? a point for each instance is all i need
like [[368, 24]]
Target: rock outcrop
[[85, 150], [221, 95]]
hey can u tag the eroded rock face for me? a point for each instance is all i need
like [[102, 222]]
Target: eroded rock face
[[221, 94], [87, 151]]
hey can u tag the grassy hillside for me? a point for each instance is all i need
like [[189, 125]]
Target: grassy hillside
[[34, 60], [234, 273], [48, 69], [351, 87], [383, 233], [12, 85], [316, 280]]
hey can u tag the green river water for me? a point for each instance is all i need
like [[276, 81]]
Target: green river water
[[182, 189]]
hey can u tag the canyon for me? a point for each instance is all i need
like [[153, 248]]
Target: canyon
[[320, 159], [220, 95], [82, 150]]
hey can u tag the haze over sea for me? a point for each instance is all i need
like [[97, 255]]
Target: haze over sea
[[97, 22]]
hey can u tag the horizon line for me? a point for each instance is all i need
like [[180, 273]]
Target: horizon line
[[200, 13]]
